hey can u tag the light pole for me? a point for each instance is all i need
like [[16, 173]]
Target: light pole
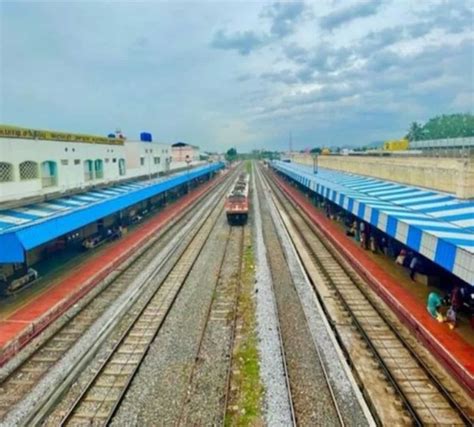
[[315, 163], [188, 163]]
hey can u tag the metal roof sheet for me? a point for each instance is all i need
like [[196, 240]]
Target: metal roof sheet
[[24, 228], [442, 219]]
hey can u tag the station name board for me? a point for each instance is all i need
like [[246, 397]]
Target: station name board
[[15, 132]]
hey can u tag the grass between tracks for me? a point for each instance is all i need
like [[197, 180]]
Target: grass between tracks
[[246, 401], [248, 166]]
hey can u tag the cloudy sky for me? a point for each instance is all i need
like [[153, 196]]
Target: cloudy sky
[[221, 73]]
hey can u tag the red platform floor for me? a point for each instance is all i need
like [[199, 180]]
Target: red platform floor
[[20, 326], [450, 349]]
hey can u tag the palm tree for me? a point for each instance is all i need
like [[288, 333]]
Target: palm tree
[[415, 132]]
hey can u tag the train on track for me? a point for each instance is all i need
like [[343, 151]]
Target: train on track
[[237, 202]]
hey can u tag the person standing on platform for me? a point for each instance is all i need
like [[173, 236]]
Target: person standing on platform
[[363, 235], [456, 302], [401, 257], [372, 245], [384, 245], [413, 267], [434, 304]]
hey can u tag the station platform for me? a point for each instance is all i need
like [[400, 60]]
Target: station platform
[[454, 349], [20, 323], [436, 225], [27, 227]]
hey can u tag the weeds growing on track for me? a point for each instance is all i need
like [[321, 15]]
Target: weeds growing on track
[[248, 166], [246, 401]]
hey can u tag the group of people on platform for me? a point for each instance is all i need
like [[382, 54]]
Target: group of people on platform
[[454, 301], [378, 242], [112, 233]]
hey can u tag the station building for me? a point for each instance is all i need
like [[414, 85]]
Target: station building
[[32, 167], [59, 190]]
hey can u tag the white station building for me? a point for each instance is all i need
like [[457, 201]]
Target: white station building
[[38, 168]]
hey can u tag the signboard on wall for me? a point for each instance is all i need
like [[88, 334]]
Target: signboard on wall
[[24, 133]]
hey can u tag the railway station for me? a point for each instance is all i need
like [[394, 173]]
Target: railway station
[[216, 215], [78, 251], [88, 249]]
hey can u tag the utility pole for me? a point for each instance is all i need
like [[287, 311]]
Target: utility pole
[[291, 145]]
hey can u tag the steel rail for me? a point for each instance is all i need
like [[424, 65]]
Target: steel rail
[[282, 345], [234, 328], [323, 368]]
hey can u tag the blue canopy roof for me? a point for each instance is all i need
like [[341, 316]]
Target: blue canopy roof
[[25, 228], [437, 225]]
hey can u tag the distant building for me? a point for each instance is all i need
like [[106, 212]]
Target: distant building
[[396, 145], [182, 152], [215, 157]]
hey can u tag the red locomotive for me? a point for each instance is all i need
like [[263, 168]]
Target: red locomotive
[[237, 202]]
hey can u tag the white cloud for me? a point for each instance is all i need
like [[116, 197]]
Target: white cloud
[[90, 67]]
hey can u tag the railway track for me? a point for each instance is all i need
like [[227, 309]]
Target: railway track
[[101, 397], [206, 399], [28, 375], [274, 368], [423, 397], [312, 399]]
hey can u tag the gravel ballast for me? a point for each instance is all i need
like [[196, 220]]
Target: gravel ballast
[[311, 395], [351, 404], [208, 385], [276, 407], [159, 388]]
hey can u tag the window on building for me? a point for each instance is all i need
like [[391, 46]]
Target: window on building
[[114, 160], [64, 162], [156, 160], [122, 167], [88, 170], [107, 160], [49, 173], [6, 172], [28, 170], [142, 161], [99, 169], [77, 161]]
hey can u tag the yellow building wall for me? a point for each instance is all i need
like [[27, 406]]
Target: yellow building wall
[[396, 145]]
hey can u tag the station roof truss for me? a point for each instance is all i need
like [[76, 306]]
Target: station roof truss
[[27, 227], [437, 225]]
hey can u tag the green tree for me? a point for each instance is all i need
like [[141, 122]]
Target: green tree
[[449, 126], [444, 126], [231, 155], [415, 132]]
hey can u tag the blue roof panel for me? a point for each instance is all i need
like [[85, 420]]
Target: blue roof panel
[[438, 225], [56, 218]]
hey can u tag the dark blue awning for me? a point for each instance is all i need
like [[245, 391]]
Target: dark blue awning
[[25, 228]]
